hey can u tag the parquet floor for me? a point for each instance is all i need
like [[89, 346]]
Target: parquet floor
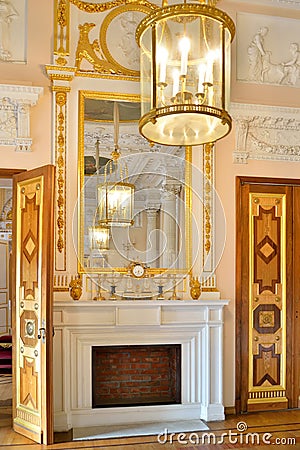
[[264, 431]]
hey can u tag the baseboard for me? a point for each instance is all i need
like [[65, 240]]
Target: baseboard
[[230, 411], [63, 436]]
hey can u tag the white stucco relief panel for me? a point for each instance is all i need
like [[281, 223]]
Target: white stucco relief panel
[[15, 103], [268, 50], [13, 15], [266, 132]]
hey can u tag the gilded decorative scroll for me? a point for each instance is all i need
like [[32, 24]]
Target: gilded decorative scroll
[[91, 52], [105, 6], [97, 51], [207, 171], [208, 254], [267, 320], [61, 100], [61, 78], [61, 31]]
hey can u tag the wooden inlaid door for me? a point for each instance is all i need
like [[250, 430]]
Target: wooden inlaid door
[[5, 320], [32, 303], [268, 294]]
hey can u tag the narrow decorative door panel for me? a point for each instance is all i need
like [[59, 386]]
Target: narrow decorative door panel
[[267, 301], [5, 322], [33, 241]]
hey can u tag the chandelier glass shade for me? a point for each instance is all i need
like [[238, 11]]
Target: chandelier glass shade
[[185, 73], [99, 238]]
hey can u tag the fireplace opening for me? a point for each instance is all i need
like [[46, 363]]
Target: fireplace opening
[[136, 375]]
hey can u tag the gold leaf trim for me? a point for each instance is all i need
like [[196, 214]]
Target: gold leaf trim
[[207, 195], [61, 100], [101, 7], [135, 7], [61, 27], [87, 51]]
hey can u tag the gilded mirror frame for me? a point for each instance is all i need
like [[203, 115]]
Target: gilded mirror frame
[[83, 95]]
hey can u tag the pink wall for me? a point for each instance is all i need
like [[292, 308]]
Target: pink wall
[[39, 53]]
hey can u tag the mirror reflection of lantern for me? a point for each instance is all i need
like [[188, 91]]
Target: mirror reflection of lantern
[[115, 195], [115, 203], [99, 238]]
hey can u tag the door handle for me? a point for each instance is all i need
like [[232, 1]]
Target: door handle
[[42, 334]]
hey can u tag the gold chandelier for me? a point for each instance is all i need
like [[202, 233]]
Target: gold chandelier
[[115, 194], [185, 73]]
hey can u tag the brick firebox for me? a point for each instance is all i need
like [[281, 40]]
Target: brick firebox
[[132, 375]]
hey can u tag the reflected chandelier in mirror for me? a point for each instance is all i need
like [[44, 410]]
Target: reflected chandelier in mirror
[[158, 234]]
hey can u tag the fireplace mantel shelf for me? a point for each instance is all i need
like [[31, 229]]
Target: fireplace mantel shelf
[[137, 313], [137, 303], [196, 325]]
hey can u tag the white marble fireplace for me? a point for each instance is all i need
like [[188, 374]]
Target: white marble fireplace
[[196, 325]]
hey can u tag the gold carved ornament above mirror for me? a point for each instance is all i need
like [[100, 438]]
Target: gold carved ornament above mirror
[[96, 50], [159, 237]]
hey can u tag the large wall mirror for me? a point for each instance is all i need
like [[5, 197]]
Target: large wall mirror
[[155, 203]]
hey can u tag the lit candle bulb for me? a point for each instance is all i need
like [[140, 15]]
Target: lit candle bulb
[[162, 56], [209, 76], [97, 156], [201, 76], [175, 82], [184, 47]]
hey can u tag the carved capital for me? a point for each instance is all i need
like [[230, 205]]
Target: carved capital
[[60, 77]]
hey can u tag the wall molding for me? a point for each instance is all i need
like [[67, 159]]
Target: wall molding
[[266, 133], [15, 104]]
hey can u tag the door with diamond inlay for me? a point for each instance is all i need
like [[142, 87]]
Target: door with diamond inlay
[[268, 294], [32, 303]]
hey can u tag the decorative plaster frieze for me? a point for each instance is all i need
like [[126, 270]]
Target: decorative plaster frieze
[[15, 103], [286, 3], [295, 4], [128, 141], [266, 132]]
